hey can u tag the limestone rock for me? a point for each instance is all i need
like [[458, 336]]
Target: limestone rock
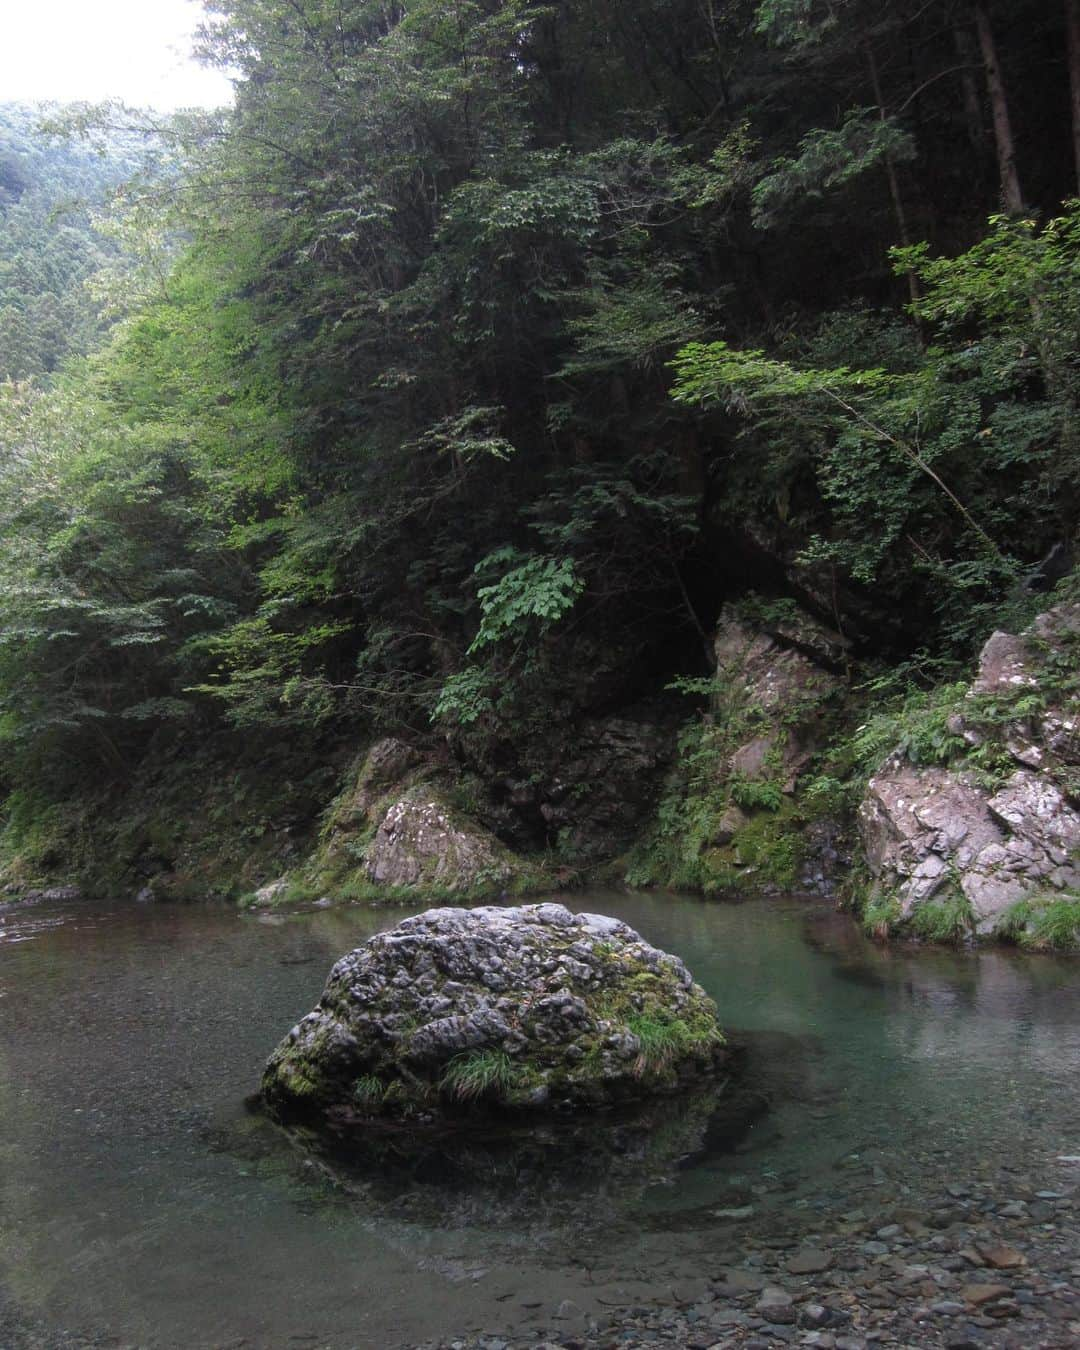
[[525, 1007], [773, 675], [421, 841], [266, 896], [395, 825], [933, 832], [1004, 663], [388, 764]]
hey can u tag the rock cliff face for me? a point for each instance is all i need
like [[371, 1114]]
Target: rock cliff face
[[777, 680], [526, 1008], [731, 819], [396, 828], [603, 784], [994, 833]]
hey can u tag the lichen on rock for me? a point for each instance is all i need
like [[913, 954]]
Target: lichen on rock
[[524, 1008]]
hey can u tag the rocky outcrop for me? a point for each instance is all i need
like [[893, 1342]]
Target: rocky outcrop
[[771, 683], [732, 819], [422, 842], [395, 827], [43, 894], [986, 841], [527, 1008], [604, 784]]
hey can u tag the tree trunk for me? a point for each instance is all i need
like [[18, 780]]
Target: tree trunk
[[893, 176], [1011, 195], [973, 111], [1072, 28]]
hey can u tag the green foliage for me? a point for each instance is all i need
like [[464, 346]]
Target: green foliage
[[788, 22], [882, 916], [692, 844], [829, 159], [754, 794], [465, 698], [381, 436], [908, 719], [1047, 922], [477, 1074], [910, 460], [946, 921], [535, 591], [53, 242], [662, 1040]]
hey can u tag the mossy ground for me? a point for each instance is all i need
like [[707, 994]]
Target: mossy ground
[[691, 845]]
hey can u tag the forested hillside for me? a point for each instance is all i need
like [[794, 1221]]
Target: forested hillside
[[509, 343], [53, 193]]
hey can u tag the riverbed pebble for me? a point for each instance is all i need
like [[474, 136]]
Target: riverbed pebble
[[981, 1275]]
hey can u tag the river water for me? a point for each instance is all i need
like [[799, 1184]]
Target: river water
[[142, 1202]]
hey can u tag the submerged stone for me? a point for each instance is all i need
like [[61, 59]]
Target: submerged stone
[[528, 1008]]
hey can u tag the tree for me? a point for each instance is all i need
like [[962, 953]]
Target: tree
[[1011, 194]]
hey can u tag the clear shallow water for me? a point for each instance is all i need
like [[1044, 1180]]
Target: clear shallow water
[[140, 1200]]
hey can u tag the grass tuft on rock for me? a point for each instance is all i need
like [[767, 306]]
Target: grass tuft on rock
[[882, 916], [479, 1073], [1043, 923], [947, 921], [663, 1040], [369, 1090]]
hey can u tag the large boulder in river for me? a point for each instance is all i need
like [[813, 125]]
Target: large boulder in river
[[995, 829], [527, 1008]]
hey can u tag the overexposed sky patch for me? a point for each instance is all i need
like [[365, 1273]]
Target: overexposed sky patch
[[88, 50]]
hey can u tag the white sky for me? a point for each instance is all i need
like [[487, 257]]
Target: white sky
[[135, 50]]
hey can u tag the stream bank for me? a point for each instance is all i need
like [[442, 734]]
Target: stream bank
[[942, 812]]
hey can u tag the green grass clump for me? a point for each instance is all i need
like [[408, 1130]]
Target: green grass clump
[[882, 916], [479, 1073], [368, 1090], [944, 921], [948, 921], [1044, 923], [663, 1040]]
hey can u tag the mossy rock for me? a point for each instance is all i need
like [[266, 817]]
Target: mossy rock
[[528, 1008]]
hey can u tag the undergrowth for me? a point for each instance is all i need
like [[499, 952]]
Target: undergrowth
[[947, 921]]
